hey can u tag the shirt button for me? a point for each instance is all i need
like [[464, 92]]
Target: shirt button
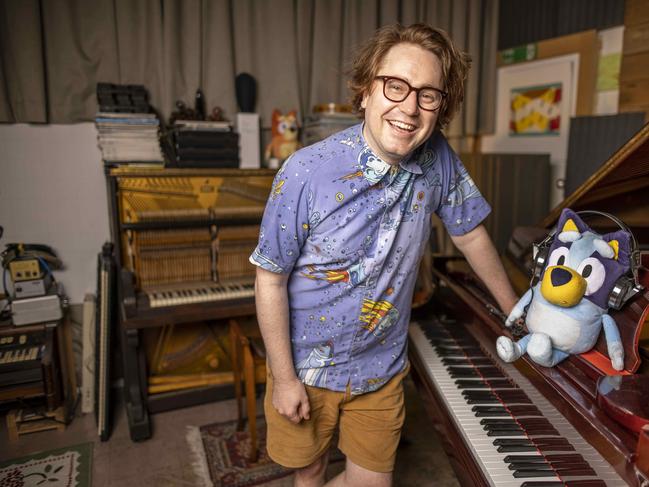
[[458, 221]]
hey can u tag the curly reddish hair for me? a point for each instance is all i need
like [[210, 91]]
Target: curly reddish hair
[[368, 59]]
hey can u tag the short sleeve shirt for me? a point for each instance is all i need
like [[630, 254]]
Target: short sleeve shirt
[[350, 230]]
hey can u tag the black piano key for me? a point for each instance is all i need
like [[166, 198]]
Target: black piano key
[[575, 472], [490, 372], [525, 410], [521, 467], [479, 400], [498, 421], [551, 441], [555, 447], [541, 432], [514, 448], [540, 483], [585, 483], [501, 384], [513, 426], [523, 474], [524, 458], [474, 394], [498, 433], [481, 411], [565, 457], [475, 362], [463, 370], [512, 441]]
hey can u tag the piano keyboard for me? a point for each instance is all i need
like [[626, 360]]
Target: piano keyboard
[[516, 436], [18, 355], [206, 292]]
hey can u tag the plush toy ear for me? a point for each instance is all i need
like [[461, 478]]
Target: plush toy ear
[[570, 226], [615, 245], [292, 113], [620, 242]]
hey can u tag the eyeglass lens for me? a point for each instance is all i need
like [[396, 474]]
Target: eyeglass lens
[[398, 90]]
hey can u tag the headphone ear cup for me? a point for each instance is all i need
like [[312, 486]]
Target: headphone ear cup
[[622, 291], [541, 253]]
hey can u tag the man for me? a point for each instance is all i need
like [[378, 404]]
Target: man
[[341, 239]]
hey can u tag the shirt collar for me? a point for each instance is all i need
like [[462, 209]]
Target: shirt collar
[[410, 163]]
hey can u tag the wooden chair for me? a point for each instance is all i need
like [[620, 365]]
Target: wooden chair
[[248, 358]]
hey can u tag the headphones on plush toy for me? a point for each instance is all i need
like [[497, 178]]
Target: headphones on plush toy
[[625, 287]]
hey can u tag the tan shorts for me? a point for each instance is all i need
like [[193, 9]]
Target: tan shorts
[[370, 426]]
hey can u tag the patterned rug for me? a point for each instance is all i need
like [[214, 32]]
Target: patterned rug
[[65, 467], [221, 457]]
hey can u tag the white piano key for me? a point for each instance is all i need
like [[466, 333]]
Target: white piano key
[[485, 453]]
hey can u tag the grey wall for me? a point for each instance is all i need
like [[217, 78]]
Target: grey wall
[[52, 191]]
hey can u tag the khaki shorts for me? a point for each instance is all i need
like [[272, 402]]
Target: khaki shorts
[[370, 426]]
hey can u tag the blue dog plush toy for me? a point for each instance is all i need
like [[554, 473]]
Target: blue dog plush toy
[[567, 308]]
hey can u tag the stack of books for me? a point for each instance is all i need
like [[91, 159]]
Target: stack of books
[[210, 144], [129, 137], [127, 127]]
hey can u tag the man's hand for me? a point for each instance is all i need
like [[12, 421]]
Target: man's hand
[[291, 400]]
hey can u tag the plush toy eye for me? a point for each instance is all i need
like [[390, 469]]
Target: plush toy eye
[[593, 271], [282, 127], [558, 256]]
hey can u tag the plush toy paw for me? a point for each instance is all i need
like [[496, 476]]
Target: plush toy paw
[[616, 353], [508, 350], [540, 349]]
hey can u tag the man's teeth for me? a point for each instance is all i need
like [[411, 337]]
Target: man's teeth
[[402, 125]]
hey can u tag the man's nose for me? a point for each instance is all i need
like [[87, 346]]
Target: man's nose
[[410, 105]]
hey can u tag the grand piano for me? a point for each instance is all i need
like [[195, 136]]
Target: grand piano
[[182, 238], [579, 424]]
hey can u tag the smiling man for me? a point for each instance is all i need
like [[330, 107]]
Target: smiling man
[[342, 236]]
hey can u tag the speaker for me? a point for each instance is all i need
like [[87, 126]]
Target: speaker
[[626, 286], [246, 91]]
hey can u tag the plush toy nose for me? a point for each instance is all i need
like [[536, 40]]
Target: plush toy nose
[[563, 286], [559, 276]]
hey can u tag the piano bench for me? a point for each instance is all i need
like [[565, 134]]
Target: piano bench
[[248, 358]]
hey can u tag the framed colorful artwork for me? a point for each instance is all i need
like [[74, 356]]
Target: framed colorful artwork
[[535, 110], [534, 103]]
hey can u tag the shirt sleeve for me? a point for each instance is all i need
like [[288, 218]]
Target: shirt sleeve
[[462, 206], [284, 227]]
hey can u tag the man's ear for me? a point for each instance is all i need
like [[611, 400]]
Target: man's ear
[[364, 100]]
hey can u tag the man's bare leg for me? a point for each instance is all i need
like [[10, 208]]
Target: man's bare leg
[[314, 474], [357, 476]]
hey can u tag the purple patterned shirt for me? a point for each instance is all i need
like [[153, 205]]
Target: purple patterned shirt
[[350, 230]]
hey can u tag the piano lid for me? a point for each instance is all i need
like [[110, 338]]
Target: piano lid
[[618, 187]]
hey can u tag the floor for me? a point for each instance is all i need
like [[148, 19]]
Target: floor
[[165, 460]]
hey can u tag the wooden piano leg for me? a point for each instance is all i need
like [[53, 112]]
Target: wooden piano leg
[[235, 347], [251, 400], [138, 417]]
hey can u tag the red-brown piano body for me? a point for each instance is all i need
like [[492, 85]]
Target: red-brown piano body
[[608, 429]]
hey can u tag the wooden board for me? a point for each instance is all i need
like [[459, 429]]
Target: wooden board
[[636, 12]]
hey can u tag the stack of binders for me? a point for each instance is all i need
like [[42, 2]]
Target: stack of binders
[[205, 144]]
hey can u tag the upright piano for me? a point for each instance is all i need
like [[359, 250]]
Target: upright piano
[[183, 237], [578, 424]]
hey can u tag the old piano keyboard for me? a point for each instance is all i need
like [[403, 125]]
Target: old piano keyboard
[[201, 292], [515, 435]]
